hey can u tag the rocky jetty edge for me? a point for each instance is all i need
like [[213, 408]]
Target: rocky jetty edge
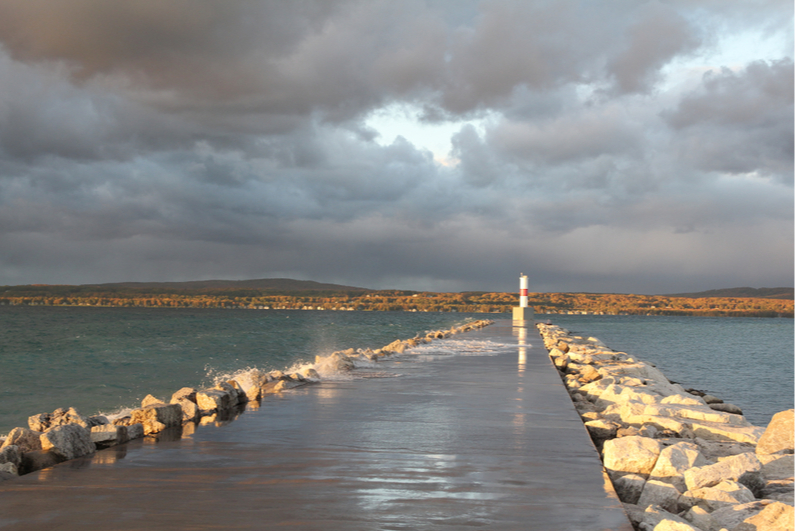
[[65, 434], [679, 459]]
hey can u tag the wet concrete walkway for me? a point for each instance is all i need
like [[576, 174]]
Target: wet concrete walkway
[[466, 442]]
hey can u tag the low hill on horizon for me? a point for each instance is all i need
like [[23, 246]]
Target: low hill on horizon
[[281, 284], [751, 293]]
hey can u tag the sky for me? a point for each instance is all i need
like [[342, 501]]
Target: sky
[[440, 145]]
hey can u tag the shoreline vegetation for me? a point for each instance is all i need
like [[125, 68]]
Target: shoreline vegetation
[[285, 294]]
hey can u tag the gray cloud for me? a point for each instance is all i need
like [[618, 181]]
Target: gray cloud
[[185, 140], [740, 122]]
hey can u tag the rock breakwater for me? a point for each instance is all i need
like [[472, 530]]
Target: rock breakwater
[[65, 434], [679, 459]]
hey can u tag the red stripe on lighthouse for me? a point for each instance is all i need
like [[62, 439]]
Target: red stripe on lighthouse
[[523, 292]]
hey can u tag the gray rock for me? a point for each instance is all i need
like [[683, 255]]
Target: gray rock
[[27, 440], [8, 469], [726, 408], [68, 441], [190, 411], [779, 435], [660, 493], [11, 454], [629, 487], [713, 450], [777, 466], [135, 431], [709, 399], [37, 460], [700, 518], [602, 429], [108, 435], [782, 490], [237, 392], [723, 494], [744, 468]]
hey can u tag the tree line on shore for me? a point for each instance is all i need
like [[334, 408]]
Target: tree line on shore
[[391, 300]]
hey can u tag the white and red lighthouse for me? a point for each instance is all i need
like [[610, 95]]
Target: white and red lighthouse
[[523, 312]]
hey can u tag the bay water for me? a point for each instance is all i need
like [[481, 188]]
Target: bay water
[[746, 361], [102, 360]]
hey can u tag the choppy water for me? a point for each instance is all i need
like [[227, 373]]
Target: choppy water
[[746, 361], [106, 359]]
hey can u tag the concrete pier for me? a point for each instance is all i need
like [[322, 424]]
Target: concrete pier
[[487, 442]]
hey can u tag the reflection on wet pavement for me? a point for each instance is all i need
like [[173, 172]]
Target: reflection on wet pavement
[[454, 442]]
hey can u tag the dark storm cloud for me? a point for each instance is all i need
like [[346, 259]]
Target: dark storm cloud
[[740, 122], [179, 140]]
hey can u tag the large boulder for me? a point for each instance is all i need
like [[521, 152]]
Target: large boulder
[[777, 466], [250, 383], [629, 487], [674, 461], [108, 435], [190, 411], [635, 455], [186, 393], [660, 493], [778, 437], [60, 417], [11, 454], [38, 459], [68, 441], [655, 515], [210, 400], [150, 400], [744, 468], [157, 417], [723, 494], [732, 516], [26, 440], [334, 363], [717, 431], [700, 518], [774, 517]]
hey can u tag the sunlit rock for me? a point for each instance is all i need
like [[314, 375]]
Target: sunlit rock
[[778, 436], [150, 400], [724, 493], [636, 455], [732, 516], [157, 417], [744, 468], [674, 460], [774, 517], [26, 440], [186, 393]]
